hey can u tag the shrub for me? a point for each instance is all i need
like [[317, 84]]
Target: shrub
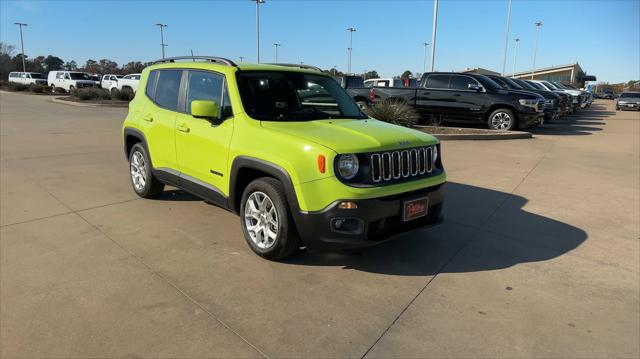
[[124, 95], [12, 86], [39, 88], [393, 111], [59, 90], [88, 94]]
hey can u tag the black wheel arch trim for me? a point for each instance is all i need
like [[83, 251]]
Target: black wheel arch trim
[[134, 132], [242, 162]]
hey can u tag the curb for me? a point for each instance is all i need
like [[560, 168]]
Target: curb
[[489, 136], [78, 104]]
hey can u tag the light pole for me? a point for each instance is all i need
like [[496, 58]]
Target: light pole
[[241, 58], [506, 40], [20, 25], [426, 45], [162, 44], [433, 34], [258, 2], [276, 45], [515, 54], [351, 30], [535, 49]]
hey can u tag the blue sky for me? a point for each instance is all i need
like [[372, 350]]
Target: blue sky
[[602, 35]]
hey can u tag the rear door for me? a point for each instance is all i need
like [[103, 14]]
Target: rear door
[[467, 103], [434, 98], [159, 116]]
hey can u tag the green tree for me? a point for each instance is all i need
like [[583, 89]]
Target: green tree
[[406, 75], [92, 66], [6, 63], [52, 63], [133, 67], [71, 65], [107, 66]]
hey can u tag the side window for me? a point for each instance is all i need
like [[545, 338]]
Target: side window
[[126, 77], [67, 76], [13, 74], [203, 85], [113, 78], [23, 75], [462, 82], [368, 84], [168, 89], [135, 77], [151, 84], [59, 75], [437, 82]]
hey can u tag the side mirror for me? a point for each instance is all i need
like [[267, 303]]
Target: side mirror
[[205, 109], [474, 87]]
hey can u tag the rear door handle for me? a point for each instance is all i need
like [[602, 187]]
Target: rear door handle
[[183, 128], [148, 118]]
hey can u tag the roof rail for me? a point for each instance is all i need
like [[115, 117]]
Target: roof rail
[[302, 66], [217, 60]]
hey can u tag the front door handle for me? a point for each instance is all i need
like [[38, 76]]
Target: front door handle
[[183, 128], [148, 118]]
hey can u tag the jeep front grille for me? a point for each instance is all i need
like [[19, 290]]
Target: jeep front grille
[[395, 165]]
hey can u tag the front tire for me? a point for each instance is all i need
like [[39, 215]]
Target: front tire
[[266, 220], [502, 119], [142, 180]]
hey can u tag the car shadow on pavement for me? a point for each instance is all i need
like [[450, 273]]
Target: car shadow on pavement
[[177, 196], [580, 124], [483, 229]]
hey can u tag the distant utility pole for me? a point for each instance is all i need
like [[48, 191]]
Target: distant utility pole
[[426, 45], [351, 30], [276, 45], [515, 54], [258, 2], [20, 25], [535, 50], [506, 40], [241, 58], [433, 34], [162, 44]]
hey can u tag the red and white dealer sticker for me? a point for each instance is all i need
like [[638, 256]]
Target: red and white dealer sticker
[[415, 208]]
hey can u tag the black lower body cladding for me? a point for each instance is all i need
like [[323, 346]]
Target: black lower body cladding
[[373, 222]]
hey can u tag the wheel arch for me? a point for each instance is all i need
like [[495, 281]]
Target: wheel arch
[[131, 137], [246, 169]]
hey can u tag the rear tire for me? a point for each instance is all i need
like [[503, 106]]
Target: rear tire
[[142, 180], [266, 220], [502, 119]]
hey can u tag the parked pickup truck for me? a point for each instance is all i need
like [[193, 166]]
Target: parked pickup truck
[[127, 84], [357, 89], [451, 96]]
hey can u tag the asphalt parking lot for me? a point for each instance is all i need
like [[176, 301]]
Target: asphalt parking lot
[[539, 255]]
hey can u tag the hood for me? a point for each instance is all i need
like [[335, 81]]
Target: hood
[[525, 92], [352, 136]]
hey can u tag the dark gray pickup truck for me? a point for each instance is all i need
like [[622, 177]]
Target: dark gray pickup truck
[[456, 97]]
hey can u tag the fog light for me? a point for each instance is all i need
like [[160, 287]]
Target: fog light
[[347, 205]]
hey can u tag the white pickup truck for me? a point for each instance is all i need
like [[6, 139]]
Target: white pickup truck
[[128, 83]]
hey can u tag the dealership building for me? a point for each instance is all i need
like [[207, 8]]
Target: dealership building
[[571, 73]]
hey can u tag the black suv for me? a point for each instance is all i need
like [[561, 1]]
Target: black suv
[[452, 96], [551, 100]]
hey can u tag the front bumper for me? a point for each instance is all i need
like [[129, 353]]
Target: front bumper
[[374, 221]]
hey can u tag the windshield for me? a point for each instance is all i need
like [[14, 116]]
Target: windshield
[[488, 83], [550, 85], [294, 96], [630, 95], [512, 83], [35, 75], [537, 85], [524, 84], [79, 76]]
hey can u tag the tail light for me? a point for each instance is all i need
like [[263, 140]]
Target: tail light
[[372, 95]]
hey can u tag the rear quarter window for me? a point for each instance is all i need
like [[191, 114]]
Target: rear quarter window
[[151, 84]]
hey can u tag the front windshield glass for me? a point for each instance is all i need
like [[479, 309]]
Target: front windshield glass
[[550, 85], [489, 83], [512, 83], [524, 84], [294, 96], [630, 95], [35, 75], [79, 76], [537, 85]]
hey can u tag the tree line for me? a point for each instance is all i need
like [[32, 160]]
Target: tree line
[[43, 64]]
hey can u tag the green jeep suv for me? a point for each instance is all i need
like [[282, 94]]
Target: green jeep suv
[[286, 148]]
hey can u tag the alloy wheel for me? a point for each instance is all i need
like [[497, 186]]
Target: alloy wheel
[[501, 121], [261, 220], [138, 174]]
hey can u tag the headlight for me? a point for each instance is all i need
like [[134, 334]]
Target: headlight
[[528, 103], [549, 102], [348, 166], [435, 154], [622, 102]]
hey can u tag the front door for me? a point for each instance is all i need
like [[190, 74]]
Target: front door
[[467, 103], [202, 145]]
